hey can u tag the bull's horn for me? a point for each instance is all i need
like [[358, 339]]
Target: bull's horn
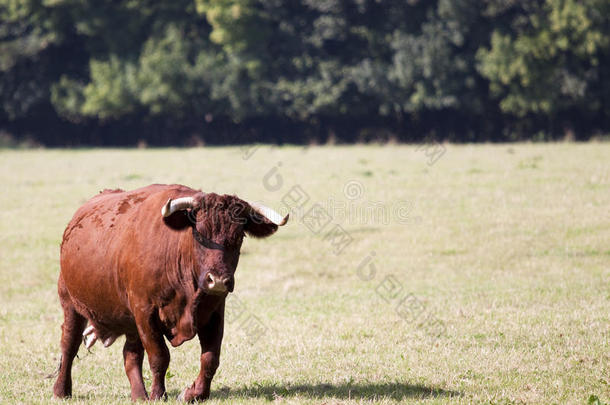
[[270, 214], [178, 204]]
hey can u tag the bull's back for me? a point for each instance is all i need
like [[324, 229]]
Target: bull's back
[[101, 240]]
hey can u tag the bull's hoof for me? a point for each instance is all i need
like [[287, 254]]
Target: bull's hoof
[[61, 392], [156, 395], [189, 395]]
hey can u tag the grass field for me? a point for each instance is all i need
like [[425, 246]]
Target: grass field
[[483, 277]]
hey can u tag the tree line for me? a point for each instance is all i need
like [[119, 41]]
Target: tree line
[[119, 72]]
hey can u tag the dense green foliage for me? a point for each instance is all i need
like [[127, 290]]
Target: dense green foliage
[[166, 72]]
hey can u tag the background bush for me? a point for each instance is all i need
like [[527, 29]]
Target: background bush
[[234, 71]]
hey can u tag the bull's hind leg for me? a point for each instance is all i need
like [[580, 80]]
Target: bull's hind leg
[[71, 337], [133, 355]]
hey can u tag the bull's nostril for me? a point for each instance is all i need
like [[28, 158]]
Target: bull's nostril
[[210, 281], [228, 283]]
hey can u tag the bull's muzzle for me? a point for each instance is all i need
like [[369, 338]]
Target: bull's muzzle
[[218, 285]]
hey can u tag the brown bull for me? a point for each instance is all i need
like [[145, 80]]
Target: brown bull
[[150, 264]]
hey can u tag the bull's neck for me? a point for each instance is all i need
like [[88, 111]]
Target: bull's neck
[[189, 261]]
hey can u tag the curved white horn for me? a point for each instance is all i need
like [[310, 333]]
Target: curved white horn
[[178, 204], [270, 214]]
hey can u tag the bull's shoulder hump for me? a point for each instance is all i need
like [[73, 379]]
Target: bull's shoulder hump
[[179, 188]]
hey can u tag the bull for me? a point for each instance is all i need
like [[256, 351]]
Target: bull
[[152, 264]]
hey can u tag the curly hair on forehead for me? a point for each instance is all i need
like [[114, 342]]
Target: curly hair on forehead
[[222, 218]]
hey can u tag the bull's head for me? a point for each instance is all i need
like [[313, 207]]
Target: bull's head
[[219, 223]]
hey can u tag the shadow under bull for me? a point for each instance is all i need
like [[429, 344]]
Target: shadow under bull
[[364, 391]]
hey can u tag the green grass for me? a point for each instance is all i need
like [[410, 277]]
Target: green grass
[[505, 248]]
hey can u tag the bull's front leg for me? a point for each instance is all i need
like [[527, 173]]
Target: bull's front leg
[[157, 351], [210, 337]]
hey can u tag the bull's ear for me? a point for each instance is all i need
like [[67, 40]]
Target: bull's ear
[[263, 221], [180, 213]]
